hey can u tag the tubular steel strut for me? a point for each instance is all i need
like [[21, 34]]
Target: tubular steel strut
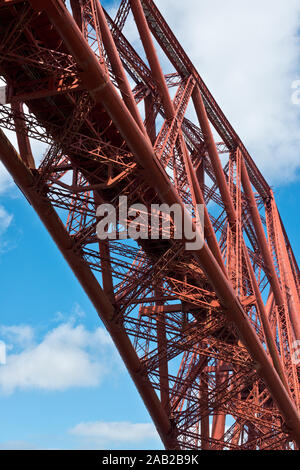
[[207, 336]]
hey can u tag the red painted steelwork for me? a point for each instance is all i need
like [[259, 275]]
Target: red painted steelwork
[[206, 334]]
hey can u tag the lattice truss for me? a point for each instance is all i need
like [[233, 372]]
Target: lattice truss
[[207, 336]]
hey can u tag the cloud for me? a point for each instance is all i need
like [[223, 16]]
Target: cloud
[[67, 356], [21, 335], [5, 220], [248, 54], [6, 180], [100, 432]]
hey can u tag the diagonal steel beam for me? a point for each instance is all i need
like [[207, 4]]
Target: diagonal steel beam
[[104, 92]]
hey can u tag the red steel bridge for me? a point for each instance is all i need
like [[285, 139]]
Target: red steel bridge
[[207, 336]]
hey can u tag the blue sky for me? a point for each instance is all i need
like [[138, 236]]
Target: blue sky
[[81, 396]]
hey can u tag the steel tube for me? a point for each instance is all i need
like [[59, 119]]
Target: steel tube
[[117, 67], [151, 54], [104, 92], [25, 180], [213, 154], [232, 217]]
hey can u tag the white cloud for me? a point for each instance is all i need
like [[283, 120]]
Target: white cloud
[[68, 356], [6, 180], [248, 54], [38, 151], [100, 432], [5, 220]]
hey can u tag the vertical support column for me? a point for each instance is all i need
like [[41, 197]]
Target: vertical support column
[[205, 428], [169, 108], [76, 10], [22, 135], [251, 445], [284, 324], [200, 173], [162, 351], [102, 91], [236, 434], [264, 318], [270, 307]]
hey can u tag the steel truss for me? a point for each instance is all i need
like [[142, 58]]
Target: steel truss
[[207, 336]]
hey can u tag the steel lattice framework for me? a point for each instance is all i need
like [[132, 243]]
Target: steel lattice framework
[[206, 336]]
